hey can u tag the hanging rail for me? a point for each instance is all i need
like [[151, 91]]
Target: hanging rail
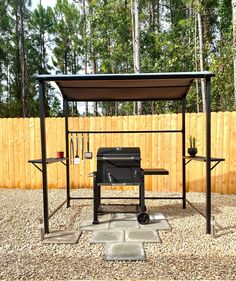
[[124, 132]]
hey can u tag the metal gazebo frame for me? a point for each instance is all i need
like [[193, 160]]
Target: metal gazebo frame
[[123, 87]]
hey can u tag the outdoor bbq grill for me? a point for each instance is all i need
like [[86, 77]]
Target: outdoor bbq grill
[[119, 166]]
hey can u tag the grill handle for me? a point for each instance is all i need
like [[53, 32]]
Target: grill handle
[[119, 184], [118, 158]]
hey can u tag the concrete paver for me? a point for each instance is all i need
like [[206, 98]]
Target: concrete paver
[[140, 235], [124, 251], [106, 236]]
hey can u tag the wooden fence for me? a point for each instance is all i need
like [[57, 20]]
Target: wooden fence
[[20, 141]]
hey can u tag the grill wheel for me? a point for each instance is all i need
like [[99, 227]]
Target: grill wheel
[[143, 218]]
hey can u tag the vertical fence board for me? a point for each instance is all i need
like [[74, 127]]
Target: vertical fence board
[[179, 154], [32, 178], [161, 152], [173, 156], [166, 149], [11, 152], [1, 153], [22, 153], [154, 160], [201, 167], [149, 151], [86, 162], [37, 153], [220, 152], [226, 152], [232, 167], [213, 147], [6, 180]]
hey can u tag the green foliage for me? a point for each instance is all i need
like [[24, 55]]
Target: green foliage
[[66, 23]]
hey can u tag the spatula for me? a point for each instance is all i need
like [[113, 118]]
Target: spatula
[[88, 154], [77, 159]]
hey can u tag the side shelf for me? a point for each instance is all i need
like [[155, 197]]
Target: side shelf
[[48, 161], [203, 159], [157, 171]]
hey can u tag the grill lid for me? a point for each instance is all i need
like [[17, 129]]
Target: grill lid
[[122, 153]]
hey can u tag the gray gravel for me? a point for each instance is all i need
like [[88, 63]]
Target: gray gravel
[[186, 252]]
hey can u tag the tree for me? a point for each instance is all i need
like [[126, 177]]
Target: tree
[[67, 49], [23, 58], [201, 59], [135, 10], [41, 36]]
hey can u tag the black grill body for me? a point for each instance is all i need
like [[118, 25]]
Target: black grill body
[[119, 165]]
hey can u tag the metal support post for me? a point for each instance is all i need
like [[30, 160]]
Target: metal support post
[[183, 153], [66, 113], [208, 155], [44, 156]]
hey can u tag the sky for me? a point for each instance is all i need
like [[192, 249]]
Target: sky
[[45, 3]]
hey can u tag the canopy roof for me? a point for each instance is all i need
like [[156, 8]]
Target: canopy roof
[[140, 86]]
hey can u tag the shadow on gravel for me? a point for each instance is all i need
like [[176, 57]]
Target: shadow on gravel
[[222, 231]]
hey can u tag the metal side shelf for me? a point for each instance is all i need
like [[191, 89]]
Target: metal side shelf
[[48, 161], [155, 171], [203, 159]]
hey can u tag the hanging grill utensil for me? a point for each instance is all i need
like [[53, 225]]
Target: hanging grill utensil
[[71, 150], [88, 154], [77, 159]]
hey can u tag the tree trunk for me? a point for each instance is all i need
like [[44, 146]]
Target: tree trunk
[[23, 61], [158, 22], [201, 60], [85, 38], [136, 45], [234, 46], [171, 12], [17, 59]]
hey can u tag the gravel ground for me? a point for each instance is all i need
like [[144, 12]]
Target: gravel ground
[[186, 252]]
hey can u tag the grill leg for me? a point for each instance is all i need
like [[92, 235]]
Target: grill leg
[[142, 197], [95, 201], [99, 195]]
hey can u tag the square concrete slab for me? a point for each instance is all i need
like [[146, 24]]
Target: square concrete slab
[[156, 225], [124, 216], [140, 235], [124, 252], [123, 224], [62, 237], [88, 225], [105, 236]]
